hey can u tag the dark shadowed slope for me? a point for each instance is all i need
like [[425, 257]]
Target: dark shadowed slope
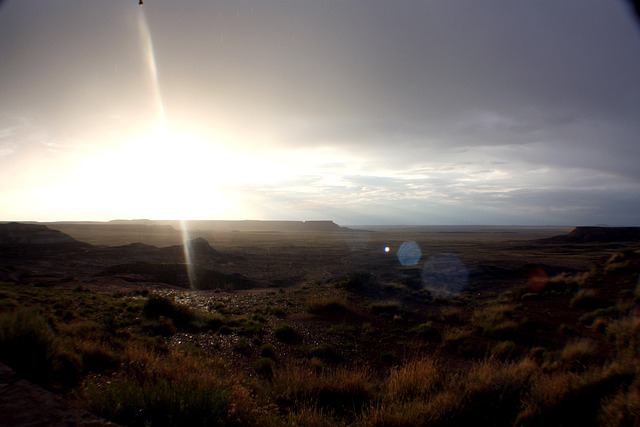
[[15, 233], [597, 235]]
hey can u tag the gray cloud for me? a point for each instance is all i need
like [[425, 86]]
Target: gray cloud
[[439, 112]]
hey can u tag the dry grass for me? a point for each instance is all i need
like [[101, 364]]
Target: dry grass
[[625, 336], [330, 391], [496, 320], [328, 304], [130, 374], [412, 380]]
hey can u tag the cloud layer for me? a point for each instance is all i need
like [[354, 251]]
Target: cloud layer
[[439, 112]]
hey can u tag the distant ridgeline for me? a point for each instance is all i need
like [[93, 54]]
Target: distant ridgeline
[[15, 233], [598, 235], [246, 225]]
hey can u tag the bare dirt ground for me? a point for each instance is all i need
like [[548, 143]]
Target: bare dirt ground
[[25, 404]]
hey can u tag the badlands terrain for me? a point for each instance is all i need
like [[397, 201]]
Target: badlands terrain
[[311, 323]]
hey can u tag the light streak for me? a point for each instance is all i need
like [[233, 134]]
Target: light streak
[[156, 93]]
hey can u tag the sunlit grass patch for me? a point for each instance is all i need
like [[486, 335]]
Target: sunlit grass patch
[[175, 388], [496, 321], [414, 379], [568, 398], [330, 391], [625, 336]]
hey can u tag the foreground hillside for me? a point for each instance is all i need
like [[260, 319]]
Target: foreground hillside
[[559, 351]]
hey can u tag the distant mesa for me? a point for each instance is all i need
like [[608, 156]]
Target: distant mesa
[[239, 225], [15, 233], [598, 235], [267, 226]]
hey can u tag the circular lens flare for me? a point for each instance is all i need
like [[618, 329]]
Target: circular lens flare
[[409, 253], [445, 275]]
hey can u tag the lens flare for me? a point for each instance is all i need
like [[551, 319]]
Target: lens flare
[[538, 279], [445, 275], [409, 253], [188, 253], [150, 59]]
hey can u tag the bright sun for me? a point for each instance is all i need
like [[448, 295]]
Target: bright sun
[[161, 174]]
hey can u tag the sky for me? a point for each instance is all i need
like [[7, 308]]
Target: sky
[[357, 111]]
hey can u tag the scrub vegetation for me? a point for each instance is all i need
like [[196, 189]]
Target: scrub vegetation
[[565, 351]]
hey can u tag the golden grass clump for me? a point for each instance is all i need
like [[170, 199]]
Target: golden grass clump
[[496, 320], [416, 378], [625, 335], [340, 390], [328, 304]]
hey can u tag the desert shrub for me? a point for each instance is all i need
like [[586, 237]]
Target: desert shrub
[[386, 307], [427, 331], [7, 294], [242, 346], [325, 352], [455, 337], [264, 366], [568, 398], [327, 305], [337, 391], [157, 389], [503, 350], [278, 311], [496, 321], [28, 344], [414, 379], [161, 326], [158, 306], [343, 329], [248, 327], [259, 317], [87, 330], [530, 296], [612, 312], [267, 350], [209, 322], [66, 367], [623, 408], [491, 393], [310, 416], [8, 304], [358, 281], [287, 334], [421, 393], [96, 356], [452, 315], [588, 298], [159, 402], [577, 355], [566, 281], [625, 336]]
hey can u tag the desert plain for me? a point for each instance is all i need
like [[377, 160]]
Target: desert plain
[[312, 323]]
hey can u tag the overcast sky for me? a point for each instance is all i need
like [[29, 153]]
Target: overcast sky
[[358, 111]]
